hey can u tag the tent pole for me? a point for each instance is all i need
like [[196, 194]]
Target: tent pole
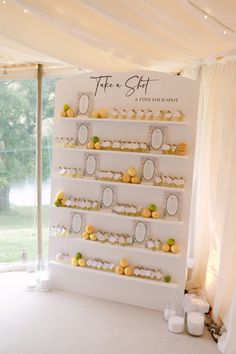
[[39, 163]]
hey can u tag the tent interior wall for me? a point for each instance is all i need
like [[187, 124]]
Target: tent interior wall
[[163, 35]]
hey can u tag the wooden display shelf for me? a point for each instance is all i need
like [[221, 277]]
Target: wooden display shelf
[[141, 218], [145, 154], [139, 185], [113, 120], [114, 276], [132, 249]]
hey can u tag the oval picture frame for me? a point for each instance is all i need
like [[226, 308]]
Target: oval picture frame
[[148, 169], [84, 103], [90, 165], [108, 196], [77, 223], [157, 139], [140, 232], [172, 205], [83, 133], [157, 135]]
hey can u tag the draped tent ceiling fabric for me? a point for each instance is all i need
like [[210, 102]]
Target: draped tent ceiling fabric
[[116, 35]]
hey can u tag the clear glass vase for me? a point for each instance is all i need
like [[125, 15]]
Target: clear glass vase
[[44, 279], [32, 278]]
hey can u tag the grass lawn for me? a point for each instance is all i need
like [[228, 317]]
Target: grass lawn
[[18, 232]]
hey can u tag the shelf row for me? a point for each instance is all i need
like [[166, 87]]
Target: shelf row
[[110, 152], [124, 249], [115, 276], [120, 121], [122, 217], [132, 185]]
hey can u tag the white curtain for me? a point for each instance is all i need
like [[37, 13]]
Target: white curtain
[[229, 344], [213, 224]]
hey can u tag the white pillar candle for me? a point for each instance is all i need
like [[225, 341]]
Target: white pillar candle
[[44, 284], [44, 281], [168, 313], [176, 324], [195, 323]]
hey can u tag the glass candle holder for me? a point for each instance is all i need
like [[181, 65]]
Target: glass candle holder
[[32, 278], [44, 279], [169, 311]]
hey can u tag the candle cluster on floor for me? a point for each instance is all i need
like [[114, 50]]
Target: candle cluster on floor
[[195, 307]]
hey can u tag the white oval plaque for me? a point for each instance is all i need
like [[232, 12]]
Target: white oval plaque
[[107, 197], [140, 232], [76, 223], [91, 164], [172, 205], [148, 170], [83, 134], [83, 103], [157, 138]]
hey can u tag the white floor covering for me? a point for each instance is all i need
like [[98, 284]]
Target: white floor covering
[[58, 322]]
